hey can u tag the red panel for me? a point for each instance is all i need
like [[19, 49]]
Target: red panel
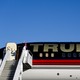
[[56, 62]]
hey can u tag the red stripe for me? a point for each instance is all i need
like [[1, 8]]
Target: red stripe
[[56, 62]]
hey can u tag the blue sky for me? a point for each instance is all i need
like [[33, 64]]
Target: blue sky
[[39, 20]]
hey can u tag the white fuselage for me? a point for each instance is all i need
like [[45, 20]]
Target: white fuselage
[[52, 73]]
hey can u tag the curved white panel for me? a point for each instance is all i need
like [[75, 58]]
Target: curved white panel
[[51, 74]]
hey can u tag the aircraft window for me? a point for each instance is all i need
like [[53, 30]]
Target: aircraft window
[[69, 54], [63, 55], [47, 55], [74, 55], [79, 54], [52, 54], [58, 74], [40, 55], [70, 75]]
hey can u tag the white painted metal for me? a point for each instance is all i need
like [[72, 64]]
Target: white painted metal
[[52, 74], [19, 70], [4, 61], [10, 49], [9, 70], [27, 58], [52, 66]]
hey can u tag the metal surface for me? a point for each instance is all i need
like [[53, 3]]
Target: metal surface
[[51, 74]]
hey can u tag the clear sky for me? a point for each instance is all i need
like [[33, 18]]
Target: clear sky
[[39, 20]]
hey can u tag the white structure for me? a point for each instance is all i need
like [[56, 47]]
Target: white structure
[[52, 74], [11, 69], [14, 68]]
